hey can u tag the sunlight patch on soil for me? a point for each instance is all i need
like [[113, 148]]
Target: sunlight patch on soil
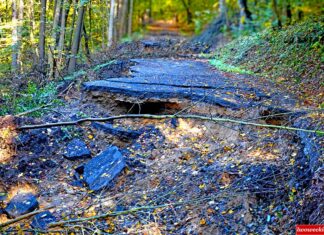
[[7, 134]]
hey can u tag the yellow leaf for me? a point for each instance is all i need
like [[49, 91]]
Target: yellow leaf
[[90, 137], [202, 222]]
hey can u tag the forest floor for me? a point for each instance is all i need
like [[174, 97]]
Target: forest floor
[[182, 176]]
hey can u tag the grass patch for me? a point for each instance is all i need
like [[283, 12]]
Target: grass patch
[[228, 68]]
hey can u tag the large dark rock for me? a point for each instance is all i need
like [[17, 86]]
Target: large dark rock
[[121, 133], [102, 169], [77, 149], [21, 204], [42, 220]]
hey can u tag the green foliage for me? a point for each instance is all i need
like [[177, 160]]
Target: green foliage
[[100, 66], [75, 75], [229, 68], [294, 52], [29, 98]]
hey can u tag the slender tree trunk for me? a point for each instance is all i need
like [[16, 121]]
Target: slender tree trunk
[[42, 32], [277, 13], [76, 40], [75, 9], [123, 19], [245, 14], [188, 11], [288, 12], [15, 39], [60, 47], [223, 12], [150, 11], [52, 52], [20, 28], [130, 18], [111, 23], [86, 42], [32, 30]]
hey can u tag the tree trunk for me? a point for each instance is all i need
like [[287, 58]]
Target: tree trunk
[[15, 40], [210, 35], [60, 47], [150, 14], [123, 19], [130, 18], [32, 30], [111, 23], [42, 31], [76, 40], [52, 52], [277, 13], [86, 42], [75, 6], [20, 28], [288, 12], [188, 11], [245, 14]]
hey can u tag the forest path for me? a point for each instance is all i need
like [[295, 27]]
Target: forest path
[[178, 80], [202, 176], [162, 28]]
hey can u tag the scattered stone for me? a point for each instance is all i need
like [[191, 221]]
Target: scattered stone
[[21, 204], [102, 169], [121, 133], [42, 220], [77, 149]]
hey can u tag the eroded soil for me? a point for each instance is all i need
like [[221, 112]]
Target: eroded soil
[[186, 176]]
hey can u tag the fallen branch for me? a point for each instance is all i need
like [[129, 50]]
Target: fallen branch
[[34, 110], [130, 211], [149, 116], [24, 217]]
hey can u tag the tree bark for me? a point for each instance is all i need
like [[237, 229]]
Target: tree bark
[[288, 12], [76, 40], [60, 47], [277, 13], [52, 52], [111, 23], [123, 19], [188, 11], [32, 30], [42, 31], [86, 42], [130, 18], [245, 14], [15, 40]]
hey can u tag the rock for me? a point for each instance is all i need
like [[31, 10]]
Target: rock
[[122, 133], [42, 220], [102, 169], [21, 204], [77, 149]]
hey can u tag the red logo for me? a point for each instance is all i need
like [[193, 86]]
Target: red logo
[[310, 229]]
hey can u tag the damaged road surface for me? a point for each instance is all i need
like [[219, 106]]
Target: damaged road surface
[[170, 80], [166, 176]]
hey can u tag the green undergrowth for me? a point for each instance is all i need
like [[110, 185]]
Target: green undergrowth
[[219, 64], [29, 98], [294, 52]]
